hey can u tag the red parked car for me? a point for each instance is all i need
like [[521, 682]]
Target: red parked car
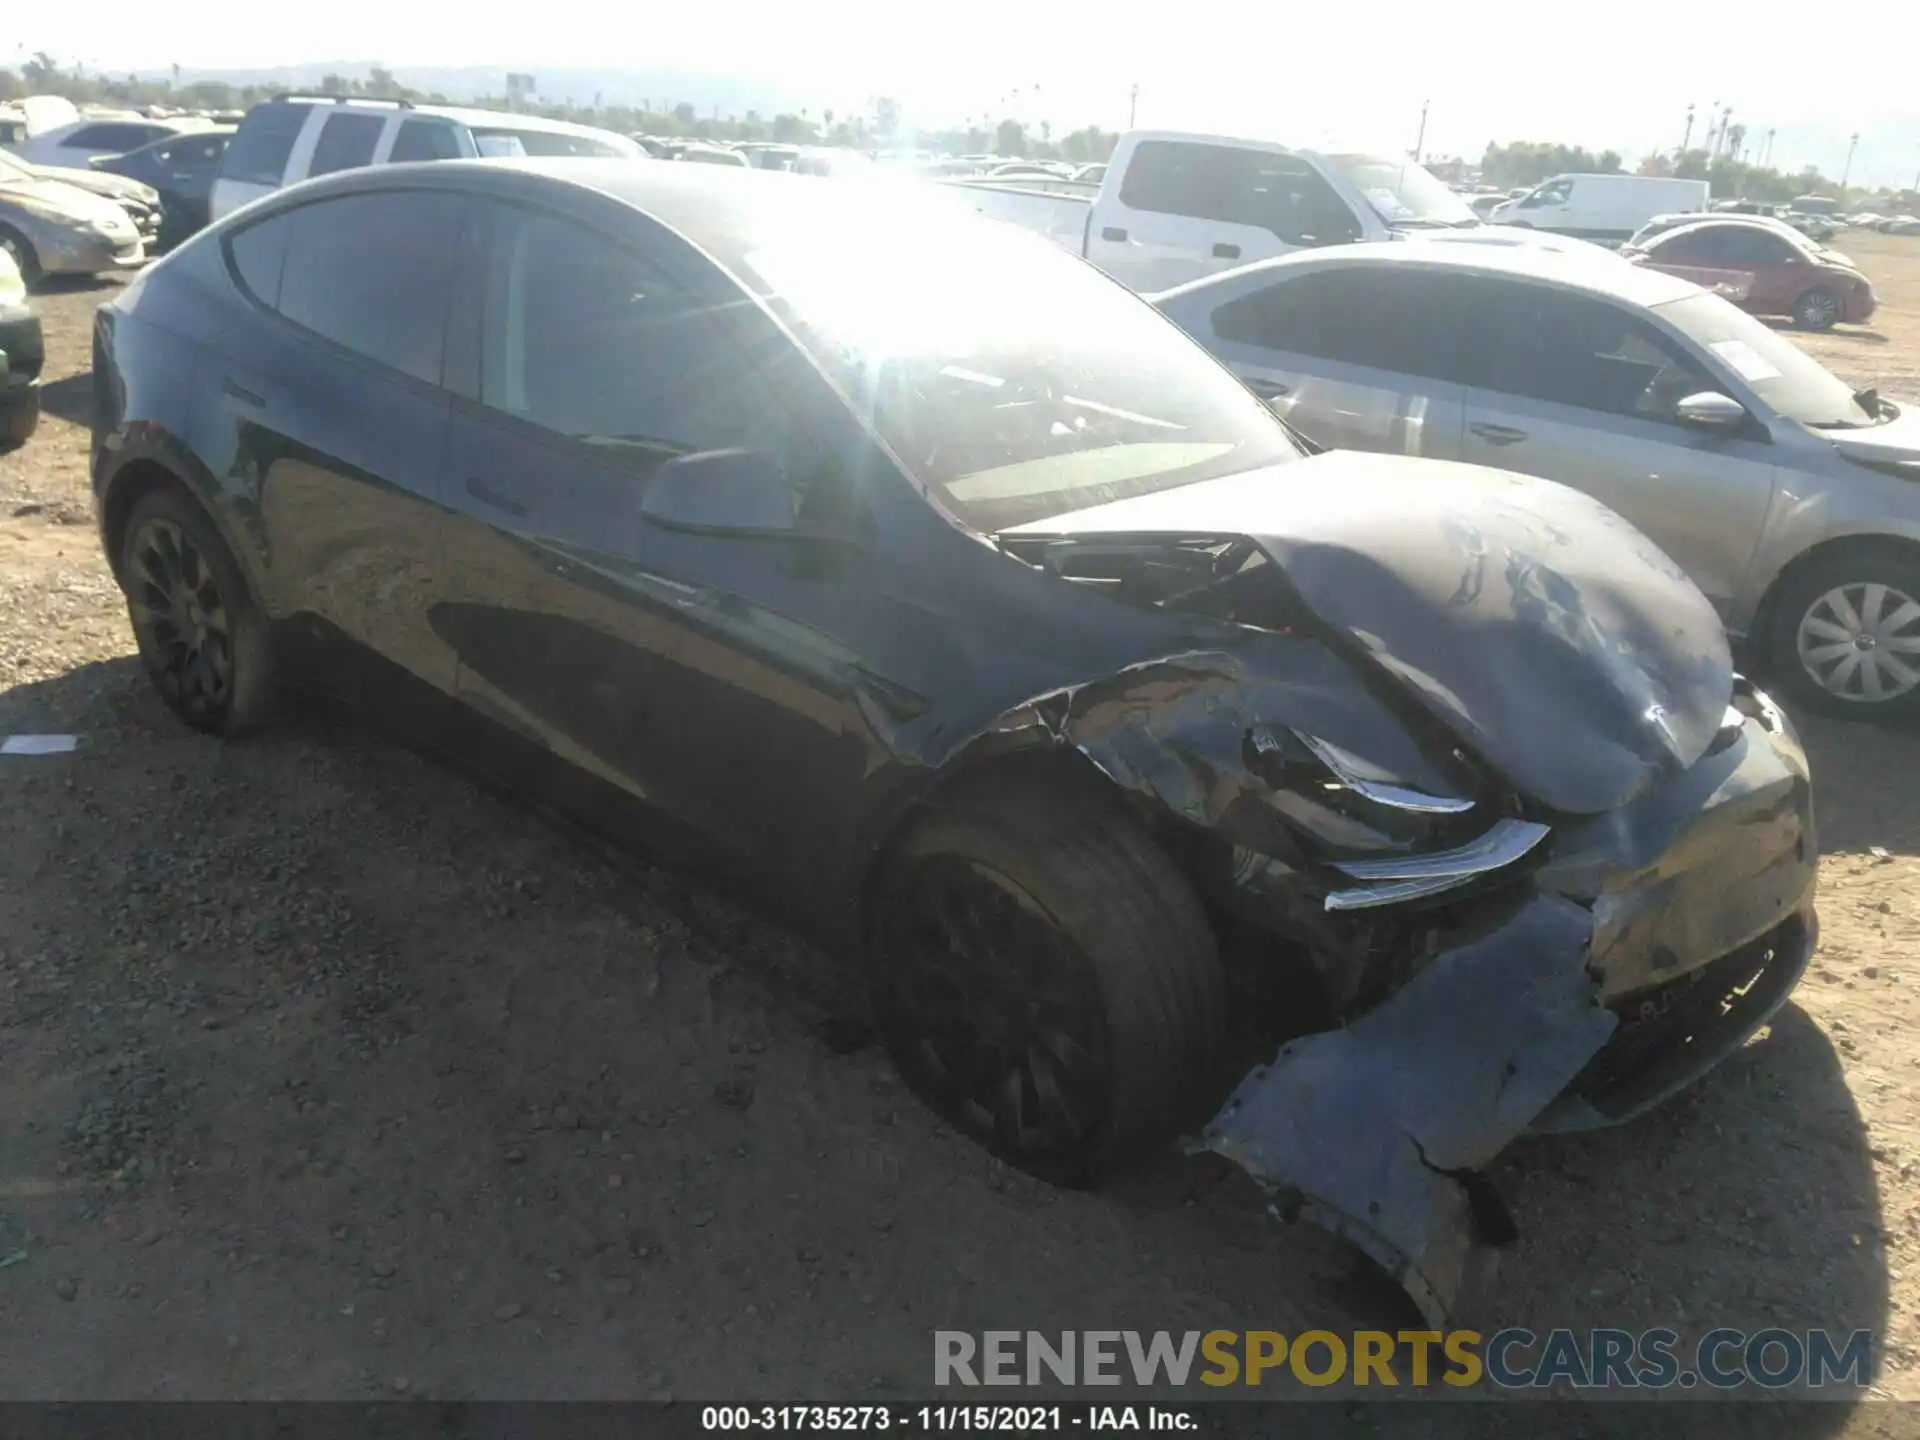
[[1763, 270]]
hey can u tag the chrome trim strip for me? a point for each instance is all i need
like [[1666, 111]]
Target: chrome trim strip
[[1381, 792], [1502, 844], [1393, 892]]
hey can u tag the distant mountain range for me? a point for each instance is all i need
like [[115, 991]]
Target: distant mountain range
[[1888, 153]]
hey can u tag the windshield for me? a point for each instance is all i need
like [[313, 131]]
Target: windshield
[[1014, 380], [1402, 193], [1786, 377], [499, 143]]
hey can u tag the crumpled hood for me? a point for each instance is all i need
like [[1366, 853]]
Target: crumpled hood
[[102, 182], [1545, 631], [70, 202], [1897, 440]]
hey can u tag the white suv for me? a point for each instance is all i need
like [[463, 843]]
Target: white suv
[[294, 137]]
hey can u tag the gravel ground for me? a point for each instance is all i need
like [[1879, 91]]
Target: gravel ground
[[328, 1073]]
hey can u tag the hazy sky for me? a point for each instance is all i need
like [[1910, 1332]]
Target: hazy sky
[[1617, 72]]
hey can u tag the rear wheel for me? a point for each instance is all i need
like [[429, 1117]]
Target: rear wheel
[[203, 640], [1818, 309], [19, 421], [1845, 635], [1045, 978]]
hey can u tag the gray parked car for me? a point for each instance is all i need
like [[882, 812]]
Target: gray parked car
[[1789, 497]]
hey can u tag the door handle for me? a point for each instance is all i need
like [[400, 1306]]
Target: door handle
[[1113, 232], [1268, 389], [487, 495], [1497, 434], [1224, 251], [240, 392]]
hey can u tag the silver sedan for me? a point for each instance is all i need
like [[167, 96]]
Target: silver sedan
[[1789, 497]]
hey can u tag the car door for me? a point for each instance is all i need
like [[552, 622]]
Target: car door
[[1776, 269], [1185, 209], [1706, 256], [329, 409], [1358, 357], [1579, 389], [639, 673]]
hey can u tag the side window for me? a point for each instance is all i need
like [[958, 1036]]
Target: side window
[[424, 140], [1239, 186], [590, 340], [371, 273], [346, 141], [1701, 247], [258, 154], [1556, 192], [1756, 247], [1404, 323], [258, 253], [1571, 349], [89, 137]]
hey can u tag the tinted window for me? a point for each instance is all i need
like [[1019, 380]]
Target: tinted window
[[424, 140], [346, 141], [1574, 350], [1398, 321], [588, 339], [371, 272], [1279, 193], [1756, 247], [258, 253], [90, 137], [258, 154]]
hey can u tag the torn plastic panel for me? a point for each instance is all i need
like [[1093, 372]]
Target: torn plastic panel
[[1377, 1130]]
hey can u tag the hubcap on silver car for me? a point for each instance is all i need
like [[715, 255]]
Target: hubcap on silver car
[[1862, 642]]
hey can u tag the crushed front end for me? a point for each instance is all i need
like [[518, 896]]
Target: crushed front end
[[1640, 948]]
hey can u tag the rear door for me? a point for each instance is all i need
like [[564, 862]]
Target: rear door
[[1187, 208], [331, 412], [1356, 357], [256, 161], [1577, 389]]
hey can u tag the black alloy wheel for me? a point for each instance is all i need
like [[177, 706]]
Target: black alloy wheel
[[993, 1012], [181, 620]]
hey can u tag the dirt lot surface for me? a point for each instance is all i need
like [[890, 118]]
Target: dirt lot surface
[[325, 1073]]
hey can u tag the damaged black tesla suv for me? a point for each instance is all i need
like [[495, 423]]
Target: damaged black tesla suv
[[909, 571]]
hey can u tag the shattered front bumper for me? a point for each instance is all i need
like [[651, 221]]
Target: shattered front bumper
[[1652, 942]]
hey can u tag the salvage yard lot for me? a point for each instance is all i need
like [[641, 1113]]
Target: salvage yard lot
[[326, 1073]]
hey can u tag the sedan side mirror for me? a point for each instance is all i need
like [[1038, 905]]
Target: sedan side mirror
[[1710, 410], [722, 492]]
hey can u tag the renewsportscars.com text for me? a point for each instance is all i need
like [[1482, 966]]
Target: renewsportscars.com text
[[1722, 1359]]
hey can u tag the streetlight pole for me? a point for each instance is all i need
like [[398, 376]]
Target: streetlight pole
[[1133, 103], [1687, 138], [1852, 141], [1420, 140]]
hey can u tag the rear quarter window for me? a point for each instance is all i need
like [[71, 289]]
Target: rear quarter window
[[424, 140], [346, 142], [260, 148]]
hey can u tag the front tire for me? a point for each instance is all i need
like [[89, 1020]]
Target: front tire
[[1818, 309], [203, 640], [1845, 635], [1045, 979], [25, 259], [18, 422]]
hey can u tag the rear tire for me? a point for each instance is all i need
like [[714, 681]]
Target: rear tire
[[1045, 978], [1818, 309], [1846, 626], [204, 641], [18, 422]]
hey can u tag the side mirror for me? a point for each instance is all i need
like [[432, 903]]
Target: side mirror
[[1710, 410], [722, 492]]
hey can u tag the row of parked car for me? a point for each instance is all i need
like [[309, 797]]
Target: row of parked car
[[898, 565]]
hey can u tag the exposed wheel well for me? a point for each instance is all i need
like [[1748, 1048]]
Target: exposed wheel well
[[134, 482], [1763, 617]]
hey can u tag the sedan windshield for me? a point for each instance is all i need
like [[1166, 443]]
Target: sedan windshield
[[1786, 377], [1402, 193], [1012, 379]]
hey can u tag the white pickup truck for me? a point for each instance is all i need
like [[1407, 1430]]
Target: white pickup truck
[[1174, 206]]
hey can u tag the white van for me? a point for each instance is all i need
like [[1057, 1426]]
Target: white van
[[1606, 208]]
